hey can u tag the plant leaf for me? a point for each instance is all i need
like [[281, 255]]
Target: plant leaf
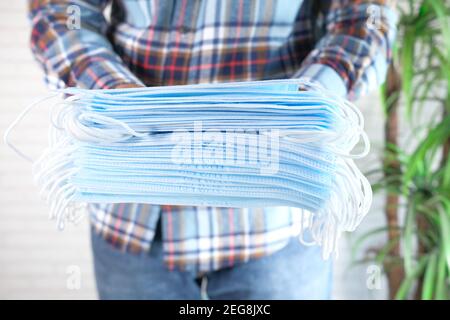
[[429, 278]]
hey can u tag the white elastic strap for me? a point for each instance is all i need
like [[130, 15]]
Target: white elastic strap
[[303, 227], [363, 136], [18, 120]]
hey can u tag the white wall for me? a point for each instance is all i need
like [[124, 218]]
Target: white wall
[[35, 258]]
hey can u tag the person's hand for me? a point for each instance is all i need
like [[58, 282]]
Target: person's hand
[[128, 85]]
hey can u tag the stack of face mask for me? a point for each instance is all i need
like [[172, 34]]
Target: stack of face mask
[[248, 144]]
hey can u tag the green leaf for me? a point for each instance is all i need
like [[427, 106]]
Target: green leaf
[[433, 140], [408, 281], [361, 239], [407, 62], [444, 21], [429, 278], [441, 282], [444, 215], [446, 174], [408, 239], [385, 250]]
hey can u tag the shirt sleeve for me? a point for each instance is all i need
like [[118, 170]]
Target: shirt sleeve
[[352, 56], [68, 40]]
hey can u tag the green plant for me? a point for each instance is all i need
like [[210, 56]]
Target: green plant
[[416, 257]]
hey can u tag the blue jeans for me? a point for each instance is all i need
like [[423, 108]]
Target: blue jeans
[[294, 272]]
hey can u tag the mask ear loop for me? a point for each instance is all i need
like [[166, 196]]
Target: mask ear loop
[[363, 190], [66, 120], [360, 155], [347, 195], [319, 235], [48, 159], [97, 134], [303, 227], [355, 110], [63, 142], [68, 103], [18, 120], [361, 195], [344, 106], [64, 210], [334, 138], [43, 174], [331, 136], [326, 236], [333, 225], [46, 178], [50, 178], [56, 197], [59, 201], [107, 120], [342, 103], [339, 136], [63, 199], [51, 181], [347, 105], [335, 217], [316, 86], [365, 186], [87, 134]]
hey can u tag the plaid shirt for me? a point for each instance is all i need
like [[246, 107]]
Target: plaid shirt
[[343, 45]]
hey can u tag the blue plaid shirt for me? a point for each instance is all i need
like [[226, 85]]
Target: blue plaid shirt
[[343, 45]]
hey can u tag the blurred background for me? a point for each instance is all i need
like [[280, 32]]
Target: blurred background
[[39, 262]]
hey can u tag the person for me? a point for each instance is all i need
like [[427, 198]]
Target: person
[[144, 251]]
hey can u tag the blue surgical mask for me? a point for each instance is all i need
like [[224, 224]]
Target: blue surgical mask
[[249, 144]]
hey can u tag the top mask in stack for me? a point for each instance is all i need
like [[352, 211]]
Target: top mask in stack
[[248, 144]]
